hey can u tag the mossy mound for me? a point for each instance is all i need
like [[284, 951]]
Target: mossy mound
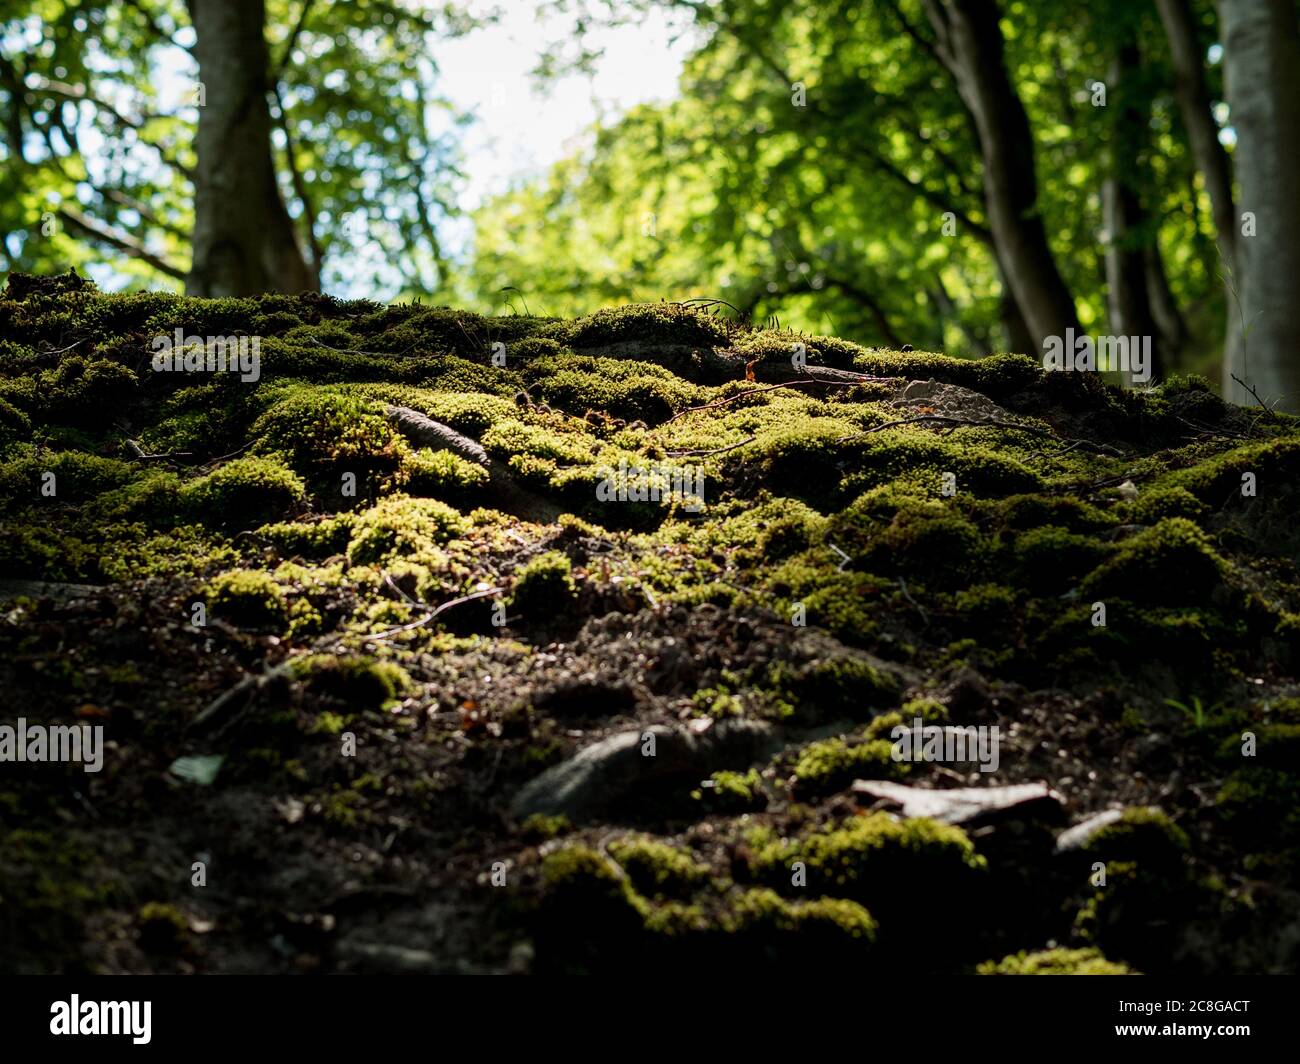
[[432, 577]]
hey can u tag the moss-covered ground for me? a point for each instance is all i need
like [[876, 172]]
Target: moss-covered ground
[[384, 643]]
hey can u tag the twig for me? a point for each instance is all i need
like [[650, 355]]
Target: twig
[[367, 354], [754, 391], [705, 454], [411, 626], [138, 452], [1251, 388]]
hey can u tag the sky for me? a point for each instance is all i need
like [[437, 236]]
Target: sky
[[521, 127]]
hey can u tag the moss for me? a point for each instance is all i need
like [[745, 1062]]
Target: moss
[[1146, 836], [832, 764], [14, 425], [818, 923], [1160, 503], [1055, 962], [658, 869], [879, 860], [832, 687], [543, 586], [325, 435], [1051, 560], [358, 682], [318, 539], [444, 475], [400, 525], [244, 493], [163, 928], [1218, 480], [540, 827], [732, 792], [669, 323], [1170, 564], [246, 598], [1277, 746]]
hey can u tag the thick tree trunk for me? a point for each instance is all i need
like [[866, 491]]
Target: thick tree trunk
[[970, 45], [1128, 298], [244, 241], [1261, 41]]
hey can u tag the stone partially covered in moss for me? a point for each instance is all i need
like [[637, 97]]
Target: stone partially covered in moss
[[543, 587], [246, 598], [1055, 962]]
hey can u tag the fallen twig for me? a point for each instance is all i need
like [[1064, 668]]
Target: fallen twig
[[1251, 388], [139, 452], [716, 450], [755, 391]]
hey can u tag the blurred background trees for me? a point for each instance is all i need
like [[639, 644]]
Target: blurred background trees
[[959, 174]]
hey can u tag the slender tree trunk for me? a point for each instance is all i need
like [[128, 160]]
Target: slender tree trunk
[[1126, 220], [1194, 105], [1164, 307], [1261, 41], [244, 241], [970, 45]]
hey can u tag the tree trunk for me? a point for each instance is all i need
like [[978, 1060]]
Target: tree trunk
[[244, 241], [1262, 68], [1127, 296], [970, 45], [1194, 105]]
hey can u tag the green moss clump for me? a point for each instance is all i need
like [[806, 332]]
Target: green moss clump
[[1055, 962], [247, 598], [1172, 564], [319, 539], [444, 475], [539, 827], [400, 525], [543, 586], [656, 868], [1160, 503], [832, 764], [247, 492], [882, 861], [669, 323], [163, 928], [732, 792], [1051, 560], [822, 924], [1146, 836], [831, 688], [359, 682]]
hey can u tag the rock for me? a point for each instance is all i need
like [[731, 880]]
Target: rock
[[600, 776], [1078, 835], [968, 805]]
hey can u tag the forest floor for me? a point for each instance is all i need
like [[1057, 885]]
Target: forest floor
[[397, 669]]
